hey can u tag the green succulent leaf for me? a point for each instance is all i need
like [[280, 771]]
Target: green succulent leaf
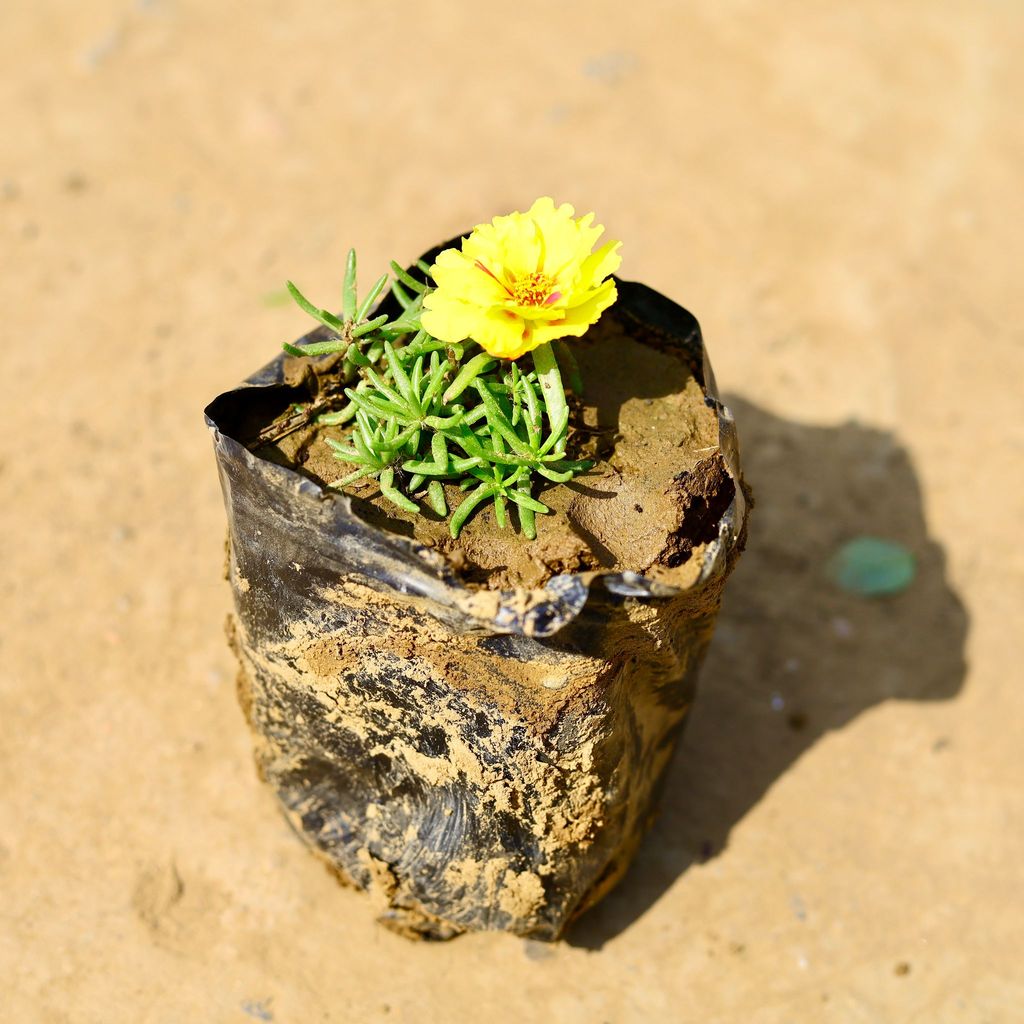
[[395, 496], [466, 506], [468, 374], [418, 287], [348, 290], [435, 496], [440, 411], [316, 348], [371, 297], [326, 318]]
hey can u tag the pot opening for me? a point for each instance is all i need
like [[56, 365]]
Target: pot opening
[[654, 498]]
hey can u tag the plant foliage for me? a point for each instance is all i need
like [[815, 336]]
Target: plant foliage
[[422, 413]]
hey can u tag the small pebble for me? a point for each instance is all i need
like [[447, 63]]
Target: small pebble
[[611, 67], [103, 48], [843, 628], [535, 950], [258, 1009], [797, 906], [872, 567]]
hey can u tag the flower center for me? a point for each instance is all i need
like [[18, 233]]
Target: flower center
[[536, 289]]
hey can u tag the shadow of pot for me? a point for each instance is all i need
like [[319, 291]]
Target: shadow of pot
[[795, 655], [477, 759]]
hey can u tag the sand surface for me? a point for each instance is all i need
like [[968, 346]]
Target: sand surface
[[834, 189]]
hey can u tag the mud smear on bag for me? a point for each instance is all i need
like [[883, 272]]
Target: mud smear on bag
[[476, 731]]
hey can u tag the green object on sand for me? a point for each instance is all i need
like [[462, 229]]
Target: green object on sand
[[872, 567]]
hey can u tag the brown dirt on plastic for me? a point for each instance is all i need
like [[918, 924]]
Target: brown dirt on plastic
[[556, 747], [655, 494], [583, 719], [564, 721]]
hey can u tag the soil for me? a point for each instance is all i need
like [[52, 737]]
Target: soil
[[656, 491]]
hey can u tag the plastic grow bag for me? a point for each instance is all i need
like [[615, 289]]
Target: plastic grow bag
[[477, 759]]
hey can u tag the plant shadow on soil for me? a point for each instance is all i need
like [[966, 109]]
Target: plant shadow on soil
[[794, 657]]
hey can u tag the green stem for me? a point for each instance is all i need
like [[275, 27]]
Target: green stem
[[552, 391]]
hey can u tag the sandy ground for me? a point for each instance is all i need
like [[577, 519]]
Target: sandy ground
[[834, 189]]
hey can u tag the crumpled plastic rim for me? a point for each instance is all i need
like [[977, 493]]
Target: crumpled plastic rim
[[543, 611]]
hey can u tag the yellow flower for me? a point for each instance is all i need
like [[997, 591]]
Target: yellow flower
[[521, 281]]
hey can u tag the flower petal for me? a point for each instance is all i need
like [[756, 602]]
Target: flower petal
[[523, 279], [503, 334], [448, 319], [471, 280], [588, 311], [596, 267]]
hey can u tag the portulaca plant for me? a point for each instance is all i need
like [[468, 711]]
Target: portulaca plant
[[466, 386]]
